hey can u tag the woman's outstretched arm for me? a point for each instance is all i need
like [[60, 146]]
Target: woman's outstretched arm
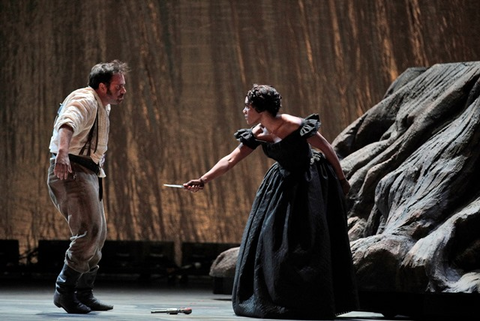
[[221, 167]]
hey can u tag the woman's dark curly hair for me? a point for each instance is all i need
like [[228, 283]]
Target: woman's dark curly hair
[[264, 98]]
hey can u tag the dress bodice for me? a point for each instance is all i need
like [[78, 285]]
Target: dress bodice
[[293, 153]]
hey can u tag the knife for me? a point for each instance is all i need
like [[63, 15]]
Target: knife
[[173, 185]]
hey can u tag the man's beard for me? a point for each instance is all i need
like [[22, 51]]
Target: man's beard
[[117, 100]]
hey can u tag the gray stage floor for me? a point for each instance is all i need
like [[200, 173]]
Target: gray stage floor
[[32, 300]]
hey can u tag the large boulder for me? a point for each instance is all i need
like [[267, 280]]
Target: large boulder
[[413, 163]]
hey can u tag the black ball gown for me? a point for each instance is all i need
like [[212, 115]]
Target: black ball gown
[[294, 260]]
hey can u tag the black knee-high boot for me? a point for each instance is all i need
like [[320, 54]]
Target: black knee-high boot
[[65, 296], [85, 291]]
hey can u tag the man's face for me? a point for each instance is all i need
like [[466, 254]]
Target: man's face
[[116, 91]]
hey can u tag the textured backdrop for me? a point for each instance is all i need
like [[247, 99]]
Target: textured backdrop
[[192, 63]]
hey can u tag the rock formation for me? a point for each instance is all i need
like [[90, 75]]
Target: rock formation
[[412, 161], [414, 217]]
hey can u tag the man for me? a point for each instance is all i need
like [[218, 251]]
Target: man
[[78, 146]]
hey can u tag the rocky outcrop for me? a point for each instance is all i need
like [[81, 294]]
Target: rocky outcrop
[[412, 161], [224, 264]]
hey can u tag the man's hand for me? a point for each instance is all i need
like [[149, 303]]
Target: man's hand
[[62, 166], [62, 162]]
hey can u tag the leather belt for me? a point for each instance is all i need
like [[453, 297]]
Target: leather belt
[[85, 162]]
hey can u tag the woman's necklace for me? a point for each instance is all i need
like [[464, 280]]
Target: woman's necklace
[[275, 131], [271, 134]]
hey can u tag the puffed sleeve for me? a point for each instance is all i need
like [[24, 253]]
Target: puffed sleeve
[[245, 136], [310, 126]]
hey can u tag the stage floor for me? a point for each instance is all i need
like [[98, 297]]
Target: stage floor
[[132, 300]]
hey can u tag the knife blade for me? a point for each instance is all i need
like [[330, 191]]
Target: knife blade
[[173, 185]]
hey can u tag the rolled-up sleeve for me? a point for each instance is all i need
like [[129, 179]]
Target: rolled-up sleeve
[[77, 114]]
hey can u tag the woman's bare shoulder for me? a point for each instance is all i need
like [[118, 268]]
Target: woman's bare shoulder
[[292, 120]]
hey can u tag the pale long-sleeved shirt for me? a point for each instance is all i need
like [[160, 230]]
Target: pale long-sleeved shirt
[[79, 111]]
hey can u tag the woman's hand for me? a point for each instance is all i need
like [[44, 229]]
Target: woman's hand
[[345, 186], [261, 133], [194, 185]]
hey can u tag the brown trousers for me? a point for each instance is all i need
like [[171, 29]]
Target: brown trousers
[[78, 200]]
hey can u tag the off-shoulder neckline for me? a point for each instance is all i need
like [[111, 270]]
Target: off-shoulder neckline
[[282, 139]]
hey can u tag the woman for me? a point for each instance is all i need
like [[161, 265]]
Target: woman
[[294, 260]]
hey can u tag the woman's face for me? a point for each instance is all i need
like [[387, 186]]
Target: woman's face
[[251, 115]]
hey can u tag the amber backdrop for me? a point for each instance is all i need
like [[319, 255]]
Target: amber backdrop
[[192, 62]]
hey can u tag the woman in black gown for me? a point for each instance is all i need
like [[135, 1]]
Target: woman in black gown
[[294, 260]]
